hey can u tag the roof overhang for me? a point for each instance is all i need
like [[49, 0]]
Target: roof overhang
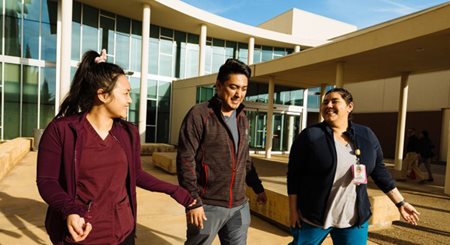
[[175, 14], [417, 43]]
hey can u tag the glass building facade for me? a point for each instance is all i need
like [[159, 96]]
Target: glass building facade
[[286, 116], [28, 62]]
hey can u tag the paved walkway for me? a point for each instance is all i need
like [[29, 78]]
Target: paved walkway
[[161, 220]]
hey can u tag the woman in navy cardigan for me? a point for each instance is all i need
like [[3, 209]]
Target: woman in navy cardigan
[[327, 176]]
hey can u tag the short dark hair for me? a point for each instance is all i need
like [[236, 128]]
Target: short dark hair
[[233, 66], [345, 94]]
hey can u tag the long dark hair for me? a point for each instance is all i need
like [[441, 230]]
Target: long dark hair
[[89, 78]]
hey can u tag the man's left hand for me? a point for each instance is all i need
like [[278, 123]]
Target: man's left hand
[[261, 198]]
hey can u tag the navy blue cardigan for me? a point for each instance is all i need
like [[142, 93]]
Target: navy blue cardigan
[[312, 167]]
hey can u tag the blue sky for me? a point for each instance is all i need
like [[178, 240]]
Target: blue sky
[[361, 13]]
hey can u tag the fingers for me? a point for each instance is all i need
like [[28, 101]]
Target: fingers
[[196, 217], [87, 230], [77, 227]]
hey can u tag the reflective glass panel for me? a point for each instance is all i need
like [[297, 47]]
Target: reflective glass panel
[[133, 113], [136, 38], [29, 100], [13, 26], [47, 92], [1, 29], [48, 27], [267, 54], [12, 101], [243, 52], [152, 88], [90, 29], [123, 42], [76, 30], [31, 17], [107, 34], [163, 112]]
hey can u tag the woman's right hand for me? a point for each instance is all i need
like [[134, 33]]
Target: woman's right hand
[[77, 227]]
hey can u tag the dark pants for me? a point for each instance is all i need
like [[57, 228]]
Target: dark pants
[[231, 224]]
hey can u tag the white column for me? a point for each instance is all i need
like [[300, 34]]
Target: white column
[[251, 50], [291, 133], [144, 71], [297, 48], [323, 88], [202, 52], [447, 169], [269, 131], [401, 121], [65, 49], [305, 109], [340, 74]]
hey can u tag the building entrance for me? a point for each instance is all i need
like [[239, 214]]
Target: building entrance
[[286, 125]]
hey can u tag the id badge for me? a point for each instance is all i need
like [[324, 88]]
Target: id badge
[[359, 174]]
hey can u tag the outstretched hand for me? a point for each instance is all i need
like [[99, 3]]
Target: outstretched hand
[[196, 217], [77, 227], [409, 213]]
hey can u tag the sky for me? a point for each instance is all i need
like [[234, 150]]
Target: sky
[[361, 13]]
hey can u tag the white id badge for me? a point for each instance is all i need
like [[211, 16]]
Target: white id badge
[[359, 174]]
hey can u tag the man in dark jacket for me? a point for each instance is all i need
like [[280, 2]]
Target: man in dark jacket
[[213, 161]]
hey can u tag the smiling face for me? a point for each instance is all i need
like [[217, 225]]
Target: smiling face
[[335, 110], [118, 101], [232, 92]]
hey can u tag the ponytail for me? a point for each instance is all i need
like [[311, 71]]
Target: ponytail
[[90, 76]]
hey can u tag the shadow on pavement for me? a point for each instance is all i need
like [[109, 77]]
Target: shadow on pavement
[[389, 239], [422, 228], [16, 209], [145, 235]]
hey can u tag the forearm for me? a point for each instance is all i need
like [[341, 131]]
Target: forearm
[[395, 195]]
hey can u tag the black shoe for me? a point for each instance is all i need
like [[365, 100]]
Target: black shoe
[[430, 179]]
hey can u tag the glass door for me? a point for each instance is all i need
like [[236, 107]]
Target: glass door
[[257, 130]]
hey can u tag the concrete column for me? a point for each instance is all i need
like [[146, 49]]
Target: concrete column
[[340, 74], [401, 121], [251, 50], [447, 169], [65, 48], [202, 53], [323, 88], [297, 48], [144, 71], [269, 130], [305, 109], [291, 133]]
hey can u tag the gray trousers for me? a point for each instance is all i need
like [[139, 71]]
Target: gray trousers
[[230, 223]]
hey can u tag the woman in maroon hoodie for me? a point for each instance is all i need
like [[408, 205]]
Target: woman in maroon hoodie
[[89, 161]]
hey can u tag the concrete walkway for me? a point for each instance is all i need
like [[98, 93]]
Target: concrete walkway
[[161, 220]]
